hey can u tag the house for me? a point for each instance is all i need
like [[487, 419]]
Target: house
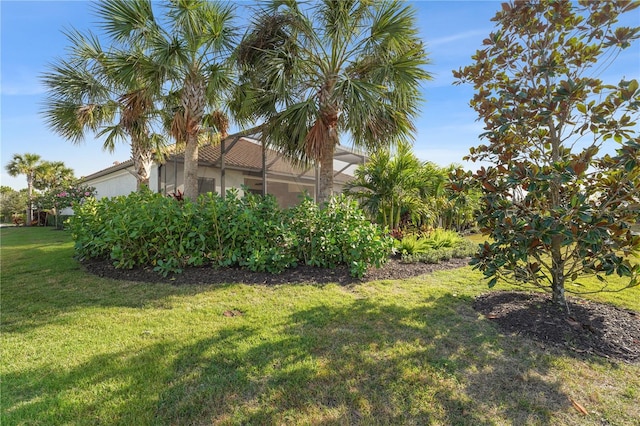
[[245, 163]]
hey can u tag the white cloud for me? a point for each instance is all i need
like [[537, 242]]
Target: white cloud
[[457, 37]]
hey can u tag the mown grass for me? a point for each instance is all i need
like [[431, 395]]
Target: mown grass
[[82, 350]]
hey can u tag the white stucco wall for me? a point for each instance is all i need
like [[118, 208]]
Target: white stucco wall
[[120, 182]]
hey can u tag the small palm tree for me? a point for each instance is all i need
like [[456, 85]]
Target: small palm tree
[[53, 175], [337, 66], [26, 164], [388, 185]]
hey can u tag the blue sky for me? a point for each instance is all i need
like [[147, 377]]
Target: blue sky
[[32, 37]]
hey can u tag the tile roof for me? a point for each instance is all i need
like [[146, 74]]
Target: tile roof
[[246, 154]]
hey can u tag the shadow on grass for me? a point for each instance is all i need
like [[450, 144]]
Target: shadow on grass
[[43, 282], [364, 364], [118, 388], [114, 388]]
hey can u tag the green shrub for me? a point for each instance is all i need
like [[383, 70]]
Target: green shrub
[[433, 247], [350, 238], [443, 238], [88, 230], [338, 233], [412, 244], [147, 229], [249, 232]]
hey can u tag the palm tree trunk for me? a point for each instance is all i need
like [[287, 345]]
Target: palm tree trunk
[[193, 102], [388, 216], [326, 171], [29, 198], [191, 168], [142, 161]]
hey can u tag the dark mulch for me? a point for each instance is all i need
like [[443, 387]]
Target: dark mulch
[[392, 270], [589, 329]]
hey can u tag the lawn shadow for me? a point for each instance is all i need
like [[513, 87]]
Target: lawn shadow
[[38, 291], [365, 363], [111, 388], [116, 388]]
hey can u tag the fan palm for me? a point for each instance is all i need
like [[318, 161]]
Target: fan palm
[[27, 165], [93, 90], [186, 55], [338, 66]]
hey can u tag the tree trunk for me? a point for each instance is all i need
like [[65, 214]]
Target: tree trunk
[[142, 161], [557, 259], [142, 183], [191, 168], [29, 200], [326, 171], [557, 272], [193, 102]]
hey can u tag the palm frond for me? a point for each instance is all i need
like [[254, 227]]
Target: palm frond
[[220, 80], [72, 80], [342, 20], [125, 20], [288, 129], [219, 121], [114, 133], [394, 26]]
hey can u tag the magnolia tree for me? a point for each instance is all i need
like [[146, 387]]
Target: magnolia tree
[[561, 197]]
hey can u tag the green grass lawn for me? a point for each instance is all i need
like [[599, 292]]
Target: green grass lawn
[[81, 350]]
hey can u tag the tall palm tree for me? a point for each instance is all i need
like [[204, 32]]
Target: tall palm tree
[[186, 53], [103, 91], [26, 164], [336, 66]]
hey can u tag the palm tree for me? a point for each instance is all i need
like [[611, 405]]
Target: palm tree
[[53, 175], [185, 54], [28, 165], [94, 90], [338, 66], [389, 185]]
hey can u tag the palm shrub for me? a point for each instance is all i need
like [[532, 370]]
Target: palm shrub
[[396, 189], [388, 185], [433, 247]]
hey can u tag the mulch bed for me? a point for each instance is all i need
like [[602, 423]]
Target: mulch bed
[[590, 328], [392, 270]]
